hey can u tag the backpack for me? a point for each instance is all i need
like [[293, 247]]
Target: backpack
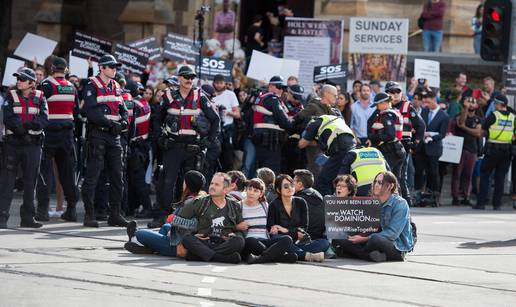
[[414, 233]]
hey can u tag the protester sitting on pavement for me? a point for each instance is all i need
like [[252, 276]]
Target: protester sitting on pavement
[[218, 237], [238, 184], [345, 186], [288, 215], [268, 177], [259, 247], [303, 181], [170, 234], [395, 238]]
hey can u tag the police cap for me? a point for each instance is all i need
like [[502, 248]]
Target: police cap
[[278, 81], [186, 70], [108, 60], [25, 73], [379, 98], [391, 86], [59, 63]]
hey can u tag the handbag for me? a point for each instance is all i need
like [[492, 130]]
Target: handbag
[[420, 22]]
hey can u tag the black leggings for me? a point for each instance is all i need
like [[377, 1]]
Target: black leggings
[[269, 249], [375, 243]]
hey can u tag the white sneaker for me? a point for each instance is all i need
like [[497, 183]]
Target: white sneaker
[[52, 213], [59, 213]]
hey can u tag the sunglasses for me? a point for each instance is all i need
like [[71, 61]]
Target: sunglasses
[[288, 185], [189, 77], [21, 79], [394, 92]]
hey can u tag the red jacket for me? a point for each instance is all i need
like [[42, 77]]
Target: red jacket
[[433, 13]]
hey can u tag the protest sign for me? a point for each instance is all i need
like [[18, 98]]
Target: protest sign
[[452, 149], [346, 216], [132, 59], [149, 45], [213, 66], [178, 47], [35, 46], [263, 66], [377, 49], [86, 46], [510, 79], [314, 42], [428, 70], [333, 73], [79, 66], [11, 66]]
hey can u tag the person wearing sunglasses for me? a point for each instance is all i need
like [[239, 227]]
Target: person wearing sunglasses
[[395, 239], [288, 216], [63, 107], [25, 117], [181, 141], [413, 130], [107, 117]]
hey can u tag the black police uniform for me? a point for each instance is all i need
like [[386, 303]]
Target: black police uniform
[[63, 104], [183, 150], [104, 148], [24, 119]]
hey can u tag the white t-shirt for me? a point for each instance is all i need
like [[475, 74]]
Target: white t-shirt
[[229, 100]]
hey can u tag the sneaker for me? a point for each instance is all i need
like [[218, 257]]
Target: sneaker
[[58, 213], [42, 217], [466, 202], [253, 259], [314, 257], [377, 256], [287, 258], [131, 229], [137, 249]]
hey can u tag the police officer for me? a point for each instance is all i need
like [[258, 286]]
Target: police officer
[[292, 157], [335, 138], [63, 106], [107, 117], [182, 146], [25, 117], [384, 131], [138, 153], [364, 164], [413, 130], [499, 127], [270, 122], [124, 136]]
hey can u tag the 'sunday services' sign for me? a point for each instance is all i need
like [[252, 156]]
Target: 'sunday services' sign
[[378, 35], [347, 216]]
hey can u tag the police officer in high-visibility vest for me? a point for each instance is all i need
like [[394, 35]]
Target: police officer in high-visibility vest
[[107, 117], [270, 122], [385, 131], [183, 149], [499, 127], [25, 117], [364, 164], [63, 106], [335, 138], [138, 154], [413, 130]]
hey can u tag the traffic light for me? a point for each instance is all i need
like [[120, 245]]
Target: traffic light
[[496, 30]]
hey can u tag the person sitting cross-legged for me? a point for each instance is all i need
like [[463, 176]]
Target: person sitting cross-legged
[[395, 239]]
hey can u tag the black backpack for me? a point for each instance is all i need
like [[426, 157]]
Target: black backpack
[[414, 233]]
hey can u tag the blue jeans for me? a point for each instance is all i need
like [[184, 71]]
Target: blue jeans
[[157, 241], [432, 40], [249, 168], [477, 41], [316, 246]]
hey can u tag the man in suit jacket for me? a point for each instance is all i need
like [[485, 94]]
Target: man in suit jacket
[[430, 150]]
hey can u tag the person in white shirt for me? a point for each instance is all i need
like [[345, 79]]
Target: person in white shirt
[[360, 113], [227, 104]]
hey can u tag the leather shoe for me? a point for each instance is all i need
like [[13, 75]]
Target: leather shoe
[[30, 224]]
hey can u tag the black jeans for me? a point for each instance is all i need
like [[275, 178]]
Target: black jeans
[[269, 249], [361, 251], [204, 250]]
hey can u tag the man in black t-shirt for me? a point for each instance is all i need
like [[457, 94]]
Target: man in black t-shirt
[[469, 126], [255, 36]]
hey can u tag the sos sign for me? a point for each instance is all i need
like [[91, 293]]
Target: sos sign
[[331, 69], [213, 63], [211, 67], [335, 73]]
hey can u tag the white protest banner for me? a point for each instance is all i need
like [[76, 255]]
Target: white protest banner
[[428, 70], [11, 66], [452, 149], [378, 49], [314, 42], [79, 67], [35, 46], [263, 66]]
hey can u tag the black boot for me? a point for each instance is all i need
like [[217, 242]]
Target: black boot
[[132, 226], [89, 214], [115, 218], [30, 223], [287, 258], [70, 215], [42, 213]]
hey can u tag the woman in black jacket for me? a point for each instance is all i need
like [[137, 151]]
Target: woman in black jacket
[[288, 215]]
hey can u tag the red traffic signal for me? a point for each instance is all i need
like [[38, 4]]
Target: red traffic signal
[[496, 30]]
